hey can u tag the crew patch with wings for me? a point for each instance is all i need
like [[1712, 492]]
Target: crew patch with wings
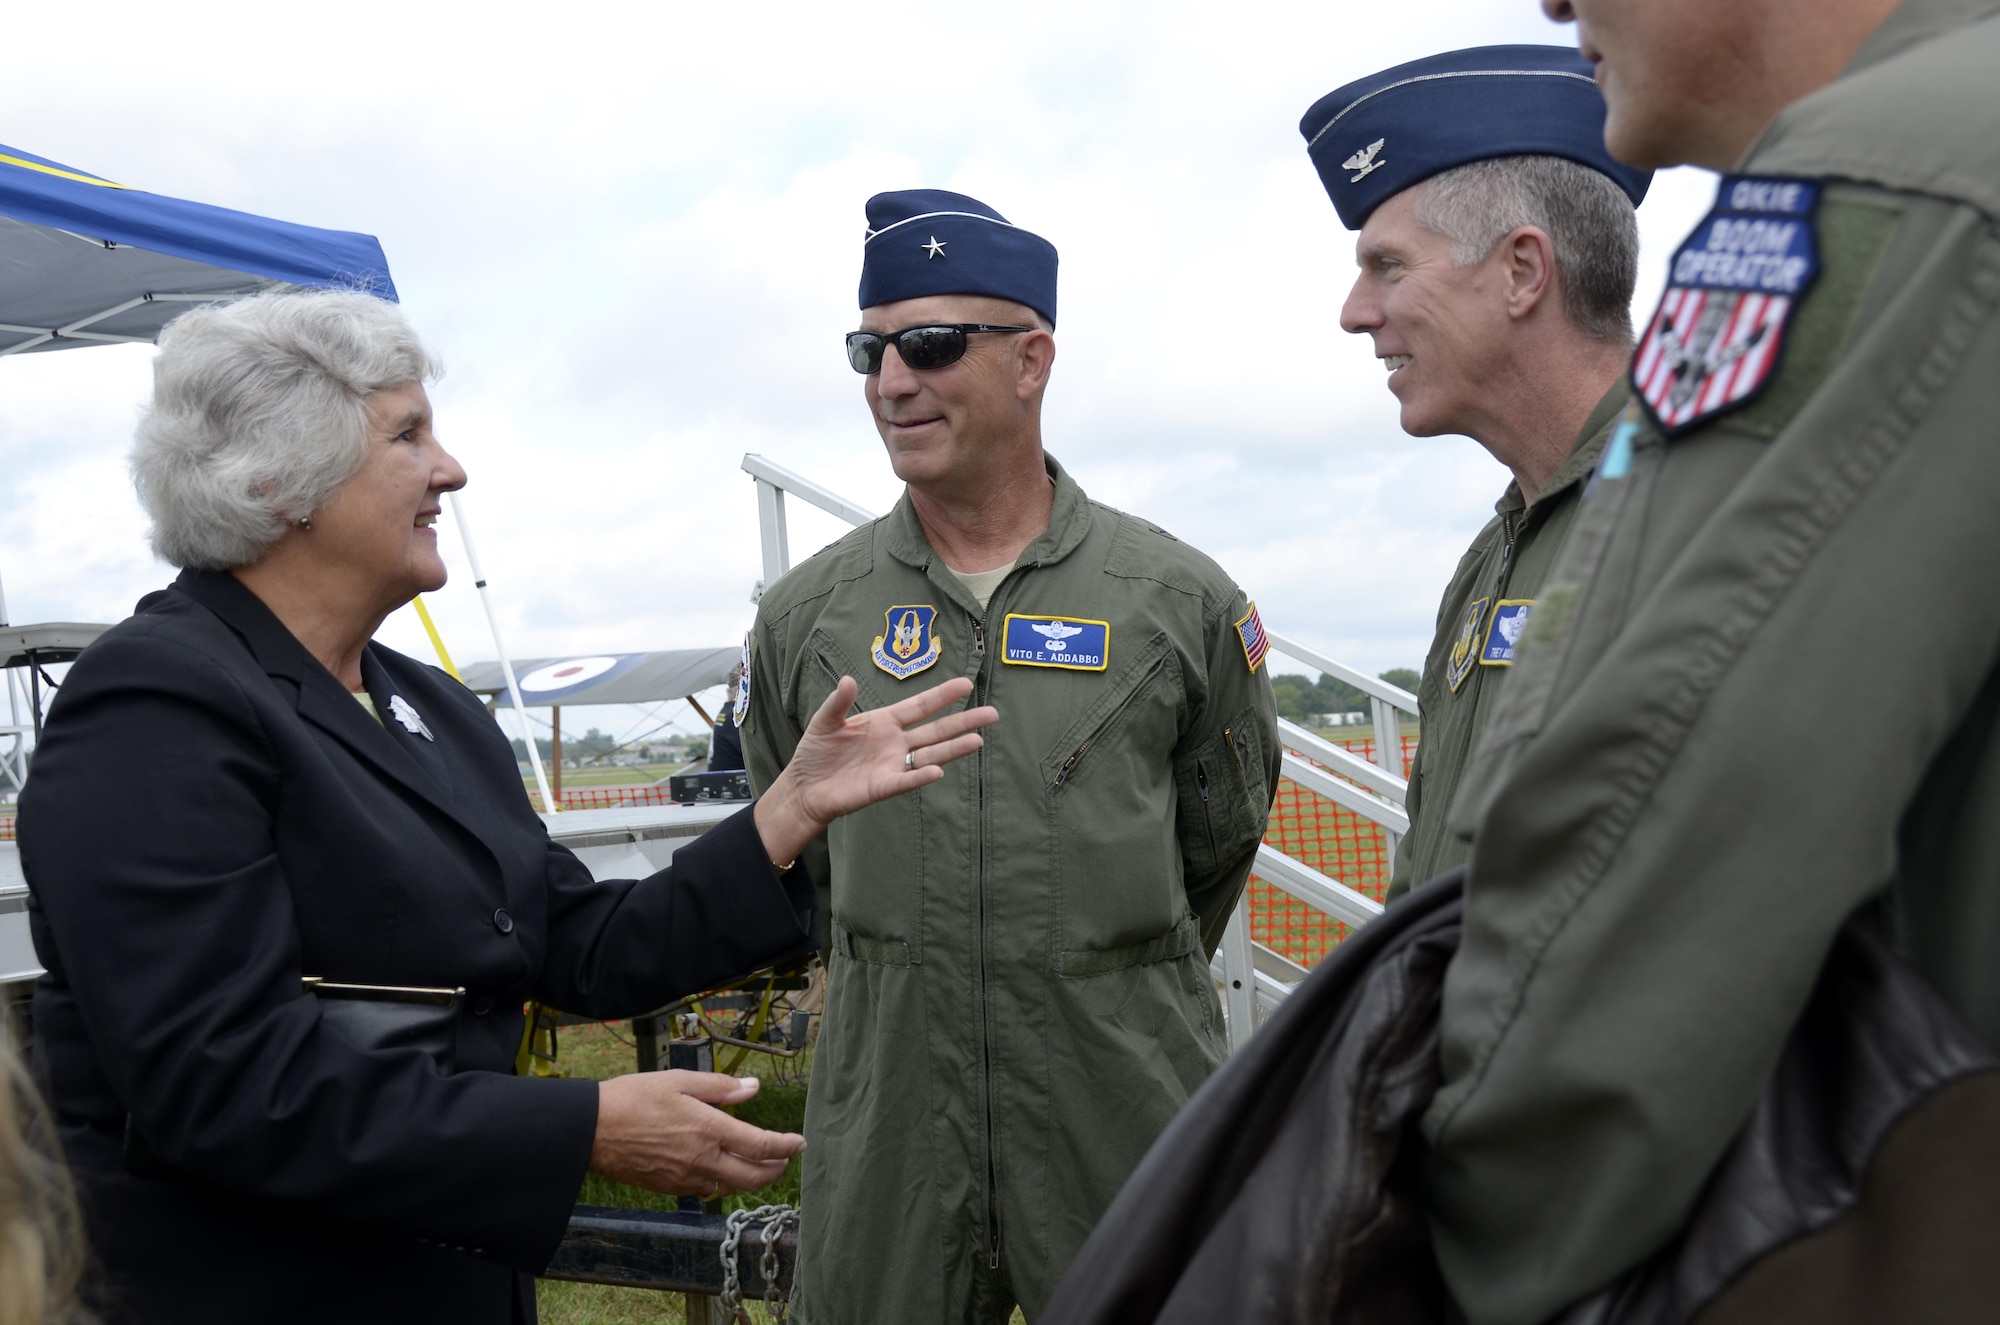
[[1069, 642], [1719, 334]]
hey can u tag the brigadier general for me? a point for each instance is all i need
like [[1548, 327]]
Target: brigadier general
[[1761, 692], [1498, 251], [1019, 988]]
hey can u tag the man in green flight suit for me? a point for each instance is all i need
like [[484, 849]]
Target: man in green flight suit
[[1018, 955], [1498, 251], [1760, 694]]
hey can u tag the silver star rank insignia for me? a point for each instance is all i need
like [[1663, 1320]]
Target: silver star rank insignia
[[934, 249]]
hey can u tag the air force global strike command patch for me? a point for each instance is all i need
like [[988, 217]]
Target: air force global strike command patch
[[1717, 338], [1057, 641], [910, 643]]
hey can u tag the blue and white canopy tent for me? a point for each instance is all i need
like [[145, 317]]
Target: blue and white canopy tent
[[85, 261]]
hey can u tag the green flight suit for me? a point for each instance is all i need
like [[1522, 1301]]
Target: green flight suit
[[1490, 593], [1759, 695], [1018, 988]]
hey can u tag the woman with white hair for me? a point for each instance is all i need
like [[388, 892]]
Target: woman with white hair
[[292, 896]]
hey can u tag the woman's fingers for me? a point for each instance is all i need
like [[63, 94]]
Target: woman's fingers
[[833, 712], [952, 725], [943, 752], [926, 702]]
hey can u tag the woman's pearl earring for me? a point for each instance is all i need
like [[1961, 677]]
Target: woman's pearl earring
[[305, 522]]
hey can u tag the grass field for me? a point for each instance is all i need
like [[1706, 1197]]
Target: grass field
[[597, 1052]]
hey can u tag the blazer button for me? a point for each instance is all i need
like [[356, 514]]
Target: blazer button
[[481, 1006], [502, 921]]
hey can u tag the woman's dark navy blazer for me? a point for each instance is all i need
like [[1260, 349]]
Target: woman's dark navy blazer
[[210, 816]]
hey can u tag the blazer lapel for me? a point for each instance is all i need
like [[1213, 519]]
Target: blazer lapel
[[322, 700]]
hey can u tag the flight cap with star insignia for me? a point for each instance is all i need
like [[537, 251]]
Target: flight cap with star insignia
[[931, 241], [1379, 135]]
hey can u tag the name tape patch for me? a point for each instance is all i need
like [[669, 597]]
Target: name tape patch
[[1510, 618], [909, 641], [1073, 643], [1717, 338]]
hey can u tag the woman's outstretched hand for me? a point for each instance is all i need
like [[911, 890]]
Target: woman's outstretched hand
[[844, 763]]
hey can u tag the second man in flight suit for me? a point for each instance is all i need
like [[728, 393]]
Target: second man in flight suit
[[1498, 251]]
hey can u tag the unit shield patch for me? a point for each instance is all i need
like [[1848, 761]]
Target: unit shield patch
[[910, 644], [1465, 649], [1056, 641], [1510, 618], [1719, 334]]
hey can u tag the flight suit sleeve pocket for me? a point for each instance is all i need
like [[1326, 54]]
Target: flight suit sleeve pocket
[[1224, 801]]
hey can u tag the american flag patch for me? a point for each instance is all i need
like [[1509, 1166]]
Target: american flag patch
[[1719, 334], [1250, 630]]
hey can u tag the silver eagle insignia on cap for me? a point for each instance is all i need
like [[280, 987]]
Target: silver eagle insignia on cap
[[1364, 161]]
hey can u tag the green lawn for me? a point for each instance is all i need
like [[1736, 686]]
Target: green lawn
[[597, 1052]]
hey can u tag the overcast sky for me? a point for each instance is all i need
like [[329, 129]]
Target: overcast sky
[[634, 231]]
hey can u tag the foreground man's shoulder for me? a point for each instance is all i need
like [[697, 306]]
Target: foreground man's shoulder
[[1922, 120], [849, 558], [1142, 550]]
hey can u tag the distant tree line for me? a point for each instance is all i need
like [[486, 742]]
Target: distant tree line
[[1301, 697]]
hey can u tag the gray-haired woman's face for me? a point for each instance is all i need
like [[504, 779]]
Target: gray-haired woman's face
[[378, 528]]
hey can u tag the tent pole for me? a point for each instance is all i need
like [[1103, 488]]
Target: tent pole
[[506, 663], [555, 746]]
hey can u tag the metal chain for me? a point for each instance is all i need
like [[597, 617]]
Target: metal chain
[[776, 1219]]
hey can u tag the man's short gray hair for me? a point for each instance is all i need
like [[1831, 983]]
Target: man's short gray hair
[[259, 415], [1588, 218]]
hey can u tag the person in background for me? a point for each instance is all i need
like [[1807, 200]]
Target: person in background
[[1498, 251], [725, 739], [1019, 991], [285, 970], [41, 1235]]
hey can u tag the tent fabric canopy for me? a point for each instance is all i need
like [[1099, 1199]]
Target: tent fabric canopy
[[84, 261], [606, 678]]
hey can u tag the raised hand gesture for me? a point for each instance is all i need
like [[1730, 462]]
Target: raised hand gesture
[[844, 763]]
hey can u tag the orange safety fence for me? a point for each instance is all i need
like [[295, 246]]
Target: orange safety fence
[[1334, 840], [610, 798], [6, 828]]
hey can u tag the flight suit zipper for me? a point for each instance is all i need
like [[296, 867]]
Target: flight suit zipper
[[1201, 785], [979, 965], [1083, 747]]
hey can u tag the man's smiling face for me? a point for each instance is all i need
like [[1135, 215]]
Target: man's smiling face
[[937, 423], [1437, 327]]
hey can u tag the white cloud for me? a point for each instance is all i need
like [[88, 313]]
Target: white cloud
[[633, 232]]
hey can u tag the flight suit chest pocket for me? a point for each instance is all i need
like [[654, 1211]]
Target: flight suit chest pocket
[[1109, 782]]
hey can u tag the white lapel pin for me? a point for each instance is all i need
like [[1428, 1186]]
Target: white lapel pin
[[403, 712]]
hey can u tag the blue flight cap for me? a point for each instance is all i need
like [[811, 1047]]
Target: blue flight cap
[[930, 241], [1379, 135]]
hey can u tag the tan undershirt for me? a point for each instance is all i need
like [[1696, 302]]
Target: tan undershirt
[[983, 583], [369, 704]]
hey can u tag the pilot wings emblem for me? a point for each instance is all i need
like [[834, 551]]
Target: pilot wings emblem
[[1057, 633], [1364, 161]]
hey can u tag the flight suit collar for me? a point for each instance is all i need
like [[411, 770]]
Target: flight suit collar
[[1583, 454], [1069, 521]]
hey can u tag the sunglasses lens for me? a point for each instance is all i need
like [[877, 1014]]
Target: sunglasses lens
[[931, 347], [864, 351]]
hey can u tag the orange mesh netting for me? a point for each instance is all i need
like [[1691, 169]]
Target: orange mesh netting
[[1332, 839]]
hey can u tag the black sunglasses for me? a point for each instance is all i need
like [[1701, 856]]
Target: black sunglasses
[[921, 347]]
